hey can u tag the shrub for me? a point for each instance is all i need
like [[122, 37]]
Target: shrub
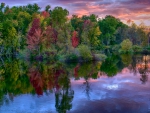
[[137, 48], [126, 46], [85, 52], [99, 57]]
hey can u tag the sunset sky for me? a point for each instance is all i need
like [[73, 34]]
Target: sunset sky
[[136, 10]]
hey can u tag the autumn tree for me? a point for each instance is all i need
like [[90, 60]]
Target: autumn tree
[[34, 34], [90, 34], [75, 40]]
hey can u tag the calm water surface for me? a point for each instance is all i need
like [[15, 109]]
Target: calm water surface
[[119, 84]]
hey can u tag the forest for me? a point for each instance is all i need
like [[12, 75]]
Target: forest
[[28, 32]]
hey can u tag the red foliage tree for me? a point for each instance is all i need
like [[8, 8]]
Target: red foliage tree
[[86, 24], [51, 35], [35, 35], [45, 14], [34, 41], [75, 39], [35, 25]]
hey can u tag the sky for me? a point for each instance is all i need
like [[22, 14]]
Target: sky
[[136, 10]]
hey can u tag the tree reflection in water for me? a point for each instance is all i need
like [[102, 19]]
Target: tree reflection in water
[[36, 80], [143, 69], [87, 88], [55, 78], [64, 96], [111, 66], [132, 66], [19, 77], [13, 80]]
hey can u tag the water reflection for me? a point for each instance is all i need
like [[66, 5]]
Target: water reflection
[[110, 65], [64, 81], [64, 97], [143, 68]]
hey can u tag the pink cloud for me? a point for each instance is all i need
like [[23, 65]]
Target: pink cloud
[[136, 10]]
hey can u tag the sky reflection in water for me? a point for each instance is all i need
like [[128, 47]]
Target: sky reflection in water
[[122, 93]]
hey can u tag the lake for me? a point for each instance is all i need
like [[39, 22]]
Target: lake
[[119, 84]]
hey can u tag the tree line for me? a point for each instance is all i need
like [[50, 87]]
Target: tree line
[[28, 32]]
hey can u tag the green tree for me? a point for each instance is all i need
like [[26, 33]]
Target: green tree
[[77, 24], [64, 38], [59, 16], [47, 8], [108, 27], [32, 8], [111, 29], [142, 35], [93, 18], [132, 34]]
